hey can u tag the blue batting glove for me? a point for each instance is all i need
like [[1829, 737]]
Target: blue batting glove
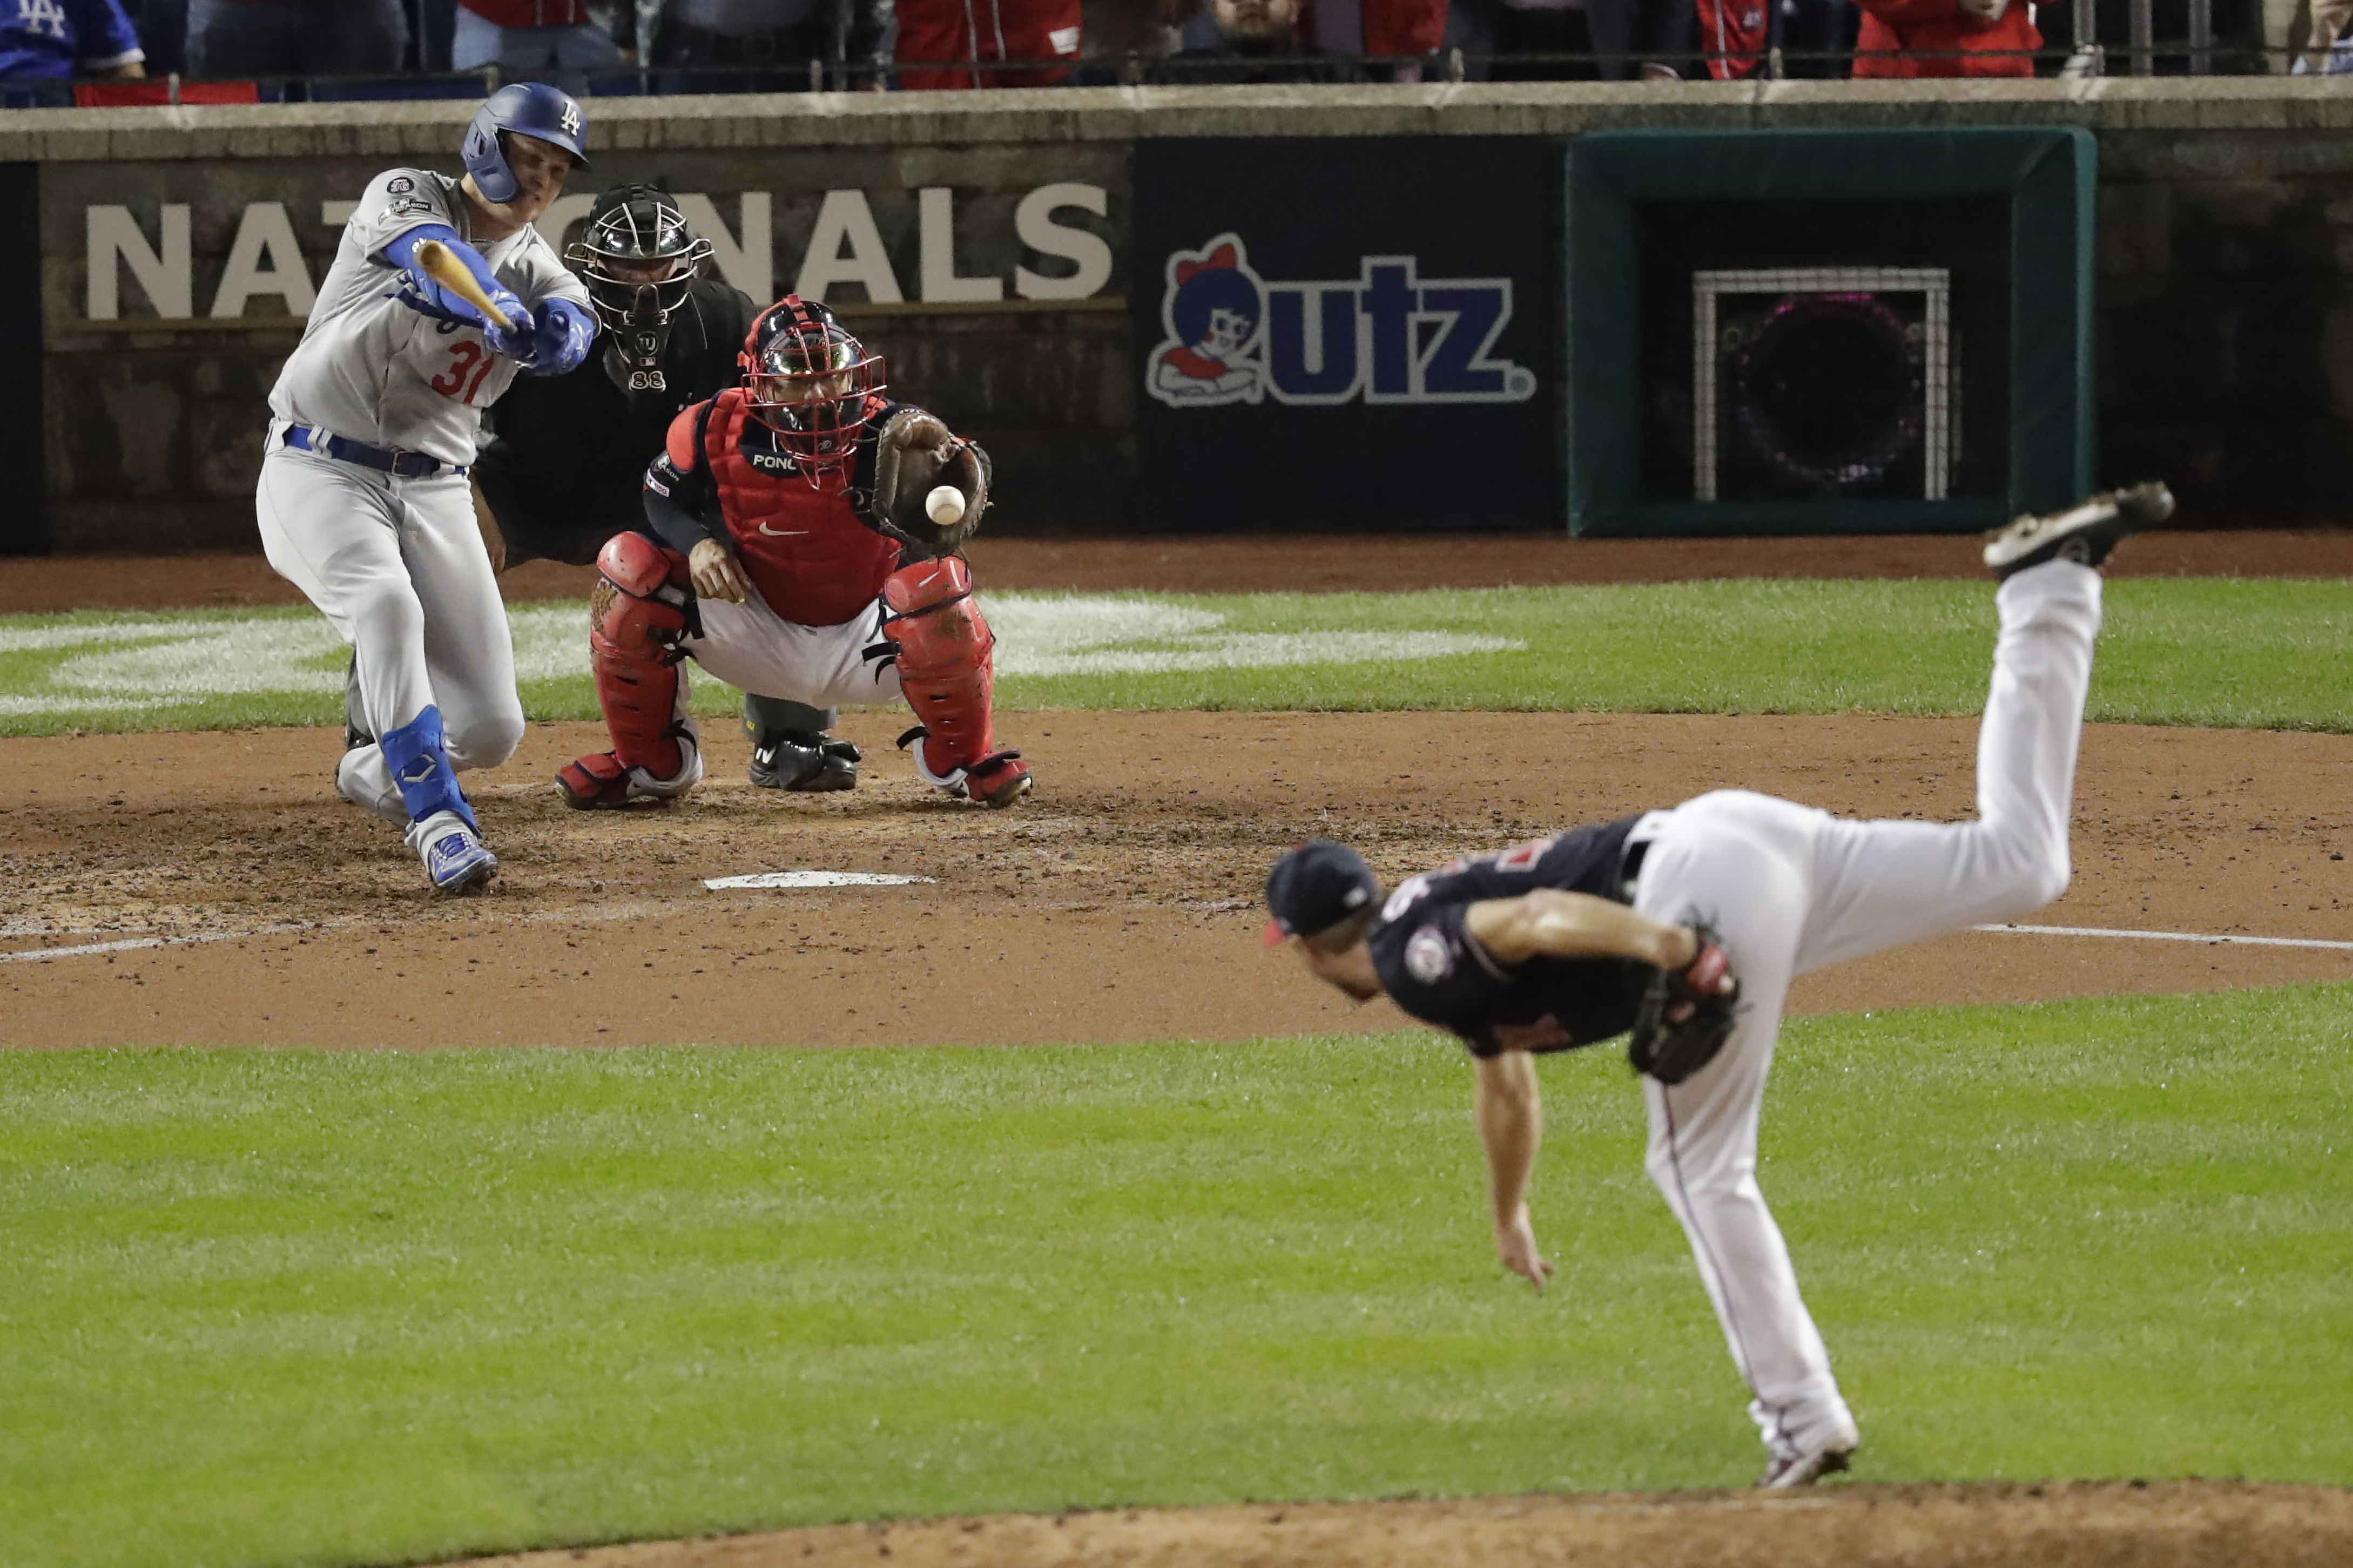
[[514, 343], [561, 342]]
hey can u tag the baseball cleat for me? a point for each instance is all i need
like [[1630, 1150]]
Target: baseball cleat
[[605, 783], [1794, 1467], [803, 760], [2084, 535], [454, 856], [998, 781]]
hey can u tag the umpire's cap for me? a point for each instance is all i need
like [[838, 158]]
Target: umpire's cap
[[1315, 887]]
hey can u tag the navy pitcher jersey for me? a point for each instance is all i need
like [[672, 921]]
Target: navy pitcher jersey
[[1432, 966]]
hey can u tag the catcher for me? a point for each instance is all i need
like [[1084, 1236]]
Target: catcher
[[1686, 926], [791, 549]]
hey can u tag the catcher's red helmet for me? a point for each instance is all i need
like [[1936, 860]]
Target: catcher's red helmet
[[809, 380]]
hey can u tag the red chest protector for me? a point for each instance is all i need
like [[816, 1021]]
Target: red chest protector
[[801, 544]]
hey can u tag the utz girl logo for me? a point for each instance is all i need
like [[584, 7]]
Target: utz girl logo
[[1387, 335], [1213, 312]]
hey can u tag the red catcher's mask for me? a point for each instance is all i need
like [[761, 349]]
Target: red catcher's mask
[[809, 380]]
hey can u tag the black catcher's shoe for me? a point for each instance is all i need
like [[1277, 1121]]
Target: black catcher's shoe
[[2084, 535], [803, 760]]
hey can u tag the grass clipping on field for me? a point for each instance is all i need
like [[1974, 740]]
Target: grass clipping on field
[[281, 1307]]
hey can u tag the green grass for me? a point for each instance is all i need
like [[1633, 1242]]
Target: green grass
[[301, 1307], [2263, 654]]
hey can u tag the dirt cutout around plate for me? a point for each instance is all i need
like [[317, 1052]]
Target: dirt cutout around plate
[[1120, 903]]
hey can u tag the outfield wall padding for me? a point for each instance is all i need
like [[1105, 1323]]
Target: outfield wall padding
[[2224, 310]]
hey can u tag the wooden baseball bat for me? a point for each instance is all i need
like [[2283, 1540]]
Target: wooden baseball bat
[[441, 264]]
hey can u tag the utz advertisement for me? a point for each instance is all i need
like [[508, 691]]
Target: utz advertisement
[[1384, 356]]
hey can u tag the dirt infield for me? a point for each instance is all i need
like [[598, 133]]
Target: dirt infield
[[1120, 904], [2186, 1524]]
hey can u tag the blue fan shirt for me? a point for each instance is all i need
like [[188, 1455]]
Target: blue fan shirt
[[46, 39]]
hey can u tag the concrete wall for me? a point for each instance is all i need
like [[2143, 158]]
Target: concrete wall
[[2226, 212]]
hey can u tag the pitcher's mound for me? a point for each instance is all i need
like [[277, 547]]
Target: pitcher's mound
[[2059, 1524]]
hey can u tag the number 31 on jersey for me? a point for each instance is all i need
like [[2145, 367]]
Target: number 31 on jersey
[[469, 366]]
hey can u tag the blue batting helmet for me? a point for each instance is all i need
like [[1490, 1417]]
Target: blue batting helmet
[[534, 109]]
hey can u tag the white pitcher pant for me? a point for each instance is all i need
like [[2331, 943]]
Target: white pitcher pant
[[398, 566], [1794, 889]]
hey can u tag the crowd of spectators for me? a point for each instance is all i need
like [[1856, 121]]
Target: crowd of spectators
[[357, 48]]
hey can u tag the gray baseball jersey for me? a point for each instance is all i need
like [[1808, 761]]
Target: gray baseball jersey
[[378, 363]]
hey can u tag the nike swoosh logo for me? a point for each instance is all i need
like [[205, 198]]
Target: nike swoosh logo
[[782, 532]]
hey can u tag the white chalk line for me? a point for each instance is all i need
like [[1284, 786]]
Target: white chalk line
[[815, 880], [2170, 936], [604, 914], [129, 944]]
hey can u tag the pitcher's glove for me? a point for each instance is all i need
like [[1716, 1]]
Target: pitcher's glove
[[914, 455], [1686, 1014]]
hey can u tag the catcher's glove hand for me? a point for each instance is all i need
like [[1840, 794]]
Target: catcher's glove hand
[[914, 455], [1686, 1014]]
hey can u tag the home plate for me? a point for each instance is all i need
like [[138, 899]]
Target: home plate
[[815, 880]]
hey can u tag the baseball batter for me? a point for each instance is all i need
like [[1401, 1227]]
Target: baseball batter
[[1553, 945], [364, 501], [790, 548]]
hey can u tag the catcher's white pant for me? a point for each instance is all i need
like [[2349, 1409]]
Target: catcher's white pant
[[398, 566], [751, 647], [1794, 889]]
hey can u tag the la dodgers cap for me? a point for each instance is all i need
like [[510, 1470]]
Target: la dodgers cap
[[1315, 887]]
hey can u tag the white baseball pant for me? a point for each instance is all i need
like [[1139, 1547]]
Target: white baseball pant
[[398, 566], [751, 647], [1794, 889]]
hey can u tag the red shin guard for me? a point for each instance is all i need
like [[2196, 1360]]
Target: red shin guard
[[635, 621], [944, 667]]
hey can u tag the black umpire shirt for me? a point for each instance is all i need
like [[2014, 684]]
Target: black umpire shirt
[[569, 452], [1432, 966]]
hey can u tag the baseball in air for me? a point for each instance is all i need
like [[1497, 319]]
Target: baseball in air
[[944, 505]]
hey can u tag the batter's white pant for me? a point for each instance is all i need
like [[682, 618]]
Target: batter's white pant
[[751, 647], [398, 566], [1794, 890]]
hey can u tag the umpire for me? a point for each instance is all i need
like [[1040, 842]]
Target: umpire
[[564, 469]]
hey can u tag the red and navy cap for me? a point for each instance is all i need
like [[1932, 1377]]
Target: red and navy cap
[[1315, 887]]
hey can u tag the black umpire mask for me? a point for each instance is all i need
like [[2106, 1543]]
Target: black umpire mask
[[639, 260]]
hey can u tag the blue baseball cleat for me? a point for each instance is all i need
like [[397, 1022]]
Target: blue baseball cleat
[[454, 856]]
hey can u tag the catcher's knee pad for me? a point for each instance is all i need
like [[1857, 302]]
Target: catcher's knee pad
[[637, 565], [635, 621], [947, 674]]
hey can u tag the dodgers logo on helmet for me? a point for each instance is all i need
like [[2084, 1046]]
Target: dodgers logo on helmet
[[530, 109], [1387, 335]]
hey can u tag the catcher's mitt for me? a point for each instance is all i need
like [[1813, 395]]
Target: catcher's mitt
[[1686, 1014], [914, 455]]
